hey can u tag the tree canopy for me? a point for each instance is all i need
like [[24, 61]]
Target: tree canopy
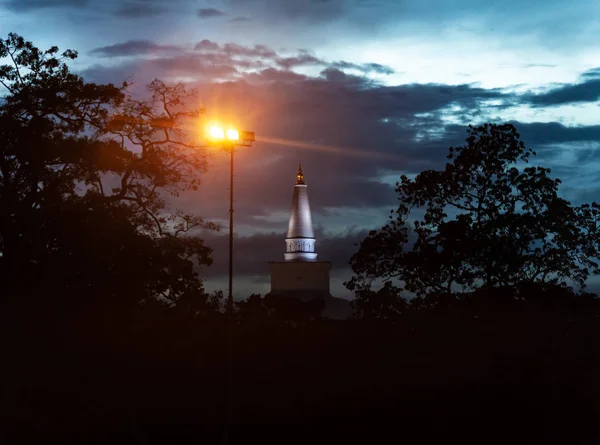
[[489, 221], [85, 171]]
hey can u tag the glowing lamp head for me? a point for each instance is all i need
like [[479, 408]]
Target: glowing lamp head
[[233, 135], [216, 132]]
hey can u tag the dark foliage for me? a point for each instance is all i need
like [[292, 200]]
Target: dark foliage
[[517, 371], [84, 170], [489, 222]]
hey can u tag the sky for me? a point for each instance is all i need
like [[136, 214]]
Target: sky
[[359, 91]]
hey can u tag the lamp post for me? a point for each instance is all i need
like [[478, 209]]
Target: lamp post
[[229, 139]]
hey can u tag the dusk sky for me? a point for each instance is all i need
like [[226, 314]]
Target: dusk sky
[[359, 91]]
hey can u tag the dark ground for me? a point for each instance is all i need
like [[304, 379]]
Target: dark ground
[[526, 376]]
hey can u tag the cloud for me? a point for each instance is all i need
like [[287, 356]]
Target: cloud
[[364, 68], [348, 136], [539, 65], [594, 73], [139, 10], [209, 13], [241, 19], [303, 58], [554, 133], [314, 11], [300, 60], [349, 121], [586, 91], [348, 130], [306, 59], [170, 69], [256, 63], [133, 48], [27, 5], [274, 75], [207, 45], [232, 49], [550, 140]]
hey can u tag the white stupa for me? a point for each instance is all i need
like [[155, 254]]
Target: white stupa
[[300, 239], [300, 274]]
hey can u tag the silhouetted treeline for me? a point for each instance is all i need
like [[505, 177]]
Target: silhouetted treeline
[[518, 371]]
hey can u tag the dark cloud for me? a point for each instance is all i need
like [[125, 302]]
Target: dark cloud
[[586, 195], [586, 91], [547, 139], [209, 61], [274, 75], [345, 80], [347, 117], [139, 10], [315, 11], [347, 130], [234, 50], [208, 13], [125, 8], [28, 5], [115, 74], [306, 59], [593, 73], [257, 63], [553, 133], [133, 48], [364, 68], [300, 60], [346, 135], [185, 65], [222, 59], [207, 45], [142, 71], [241, 19], [375, 68]]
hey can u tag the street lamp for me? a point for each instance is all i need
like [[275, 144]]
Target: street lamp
[[229, 138]]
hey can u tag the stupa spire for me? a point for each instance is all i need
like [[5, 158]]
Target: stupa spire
[[300, 175], [300, 238]]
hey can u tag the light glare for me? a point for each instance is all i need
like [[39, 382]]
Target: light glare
[[233, 135], [216, 132]]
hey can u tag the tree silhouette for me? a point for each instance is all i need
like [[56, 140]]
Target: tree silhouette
[[278, 310], [488, 223], [384, 304], [85, 170]]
